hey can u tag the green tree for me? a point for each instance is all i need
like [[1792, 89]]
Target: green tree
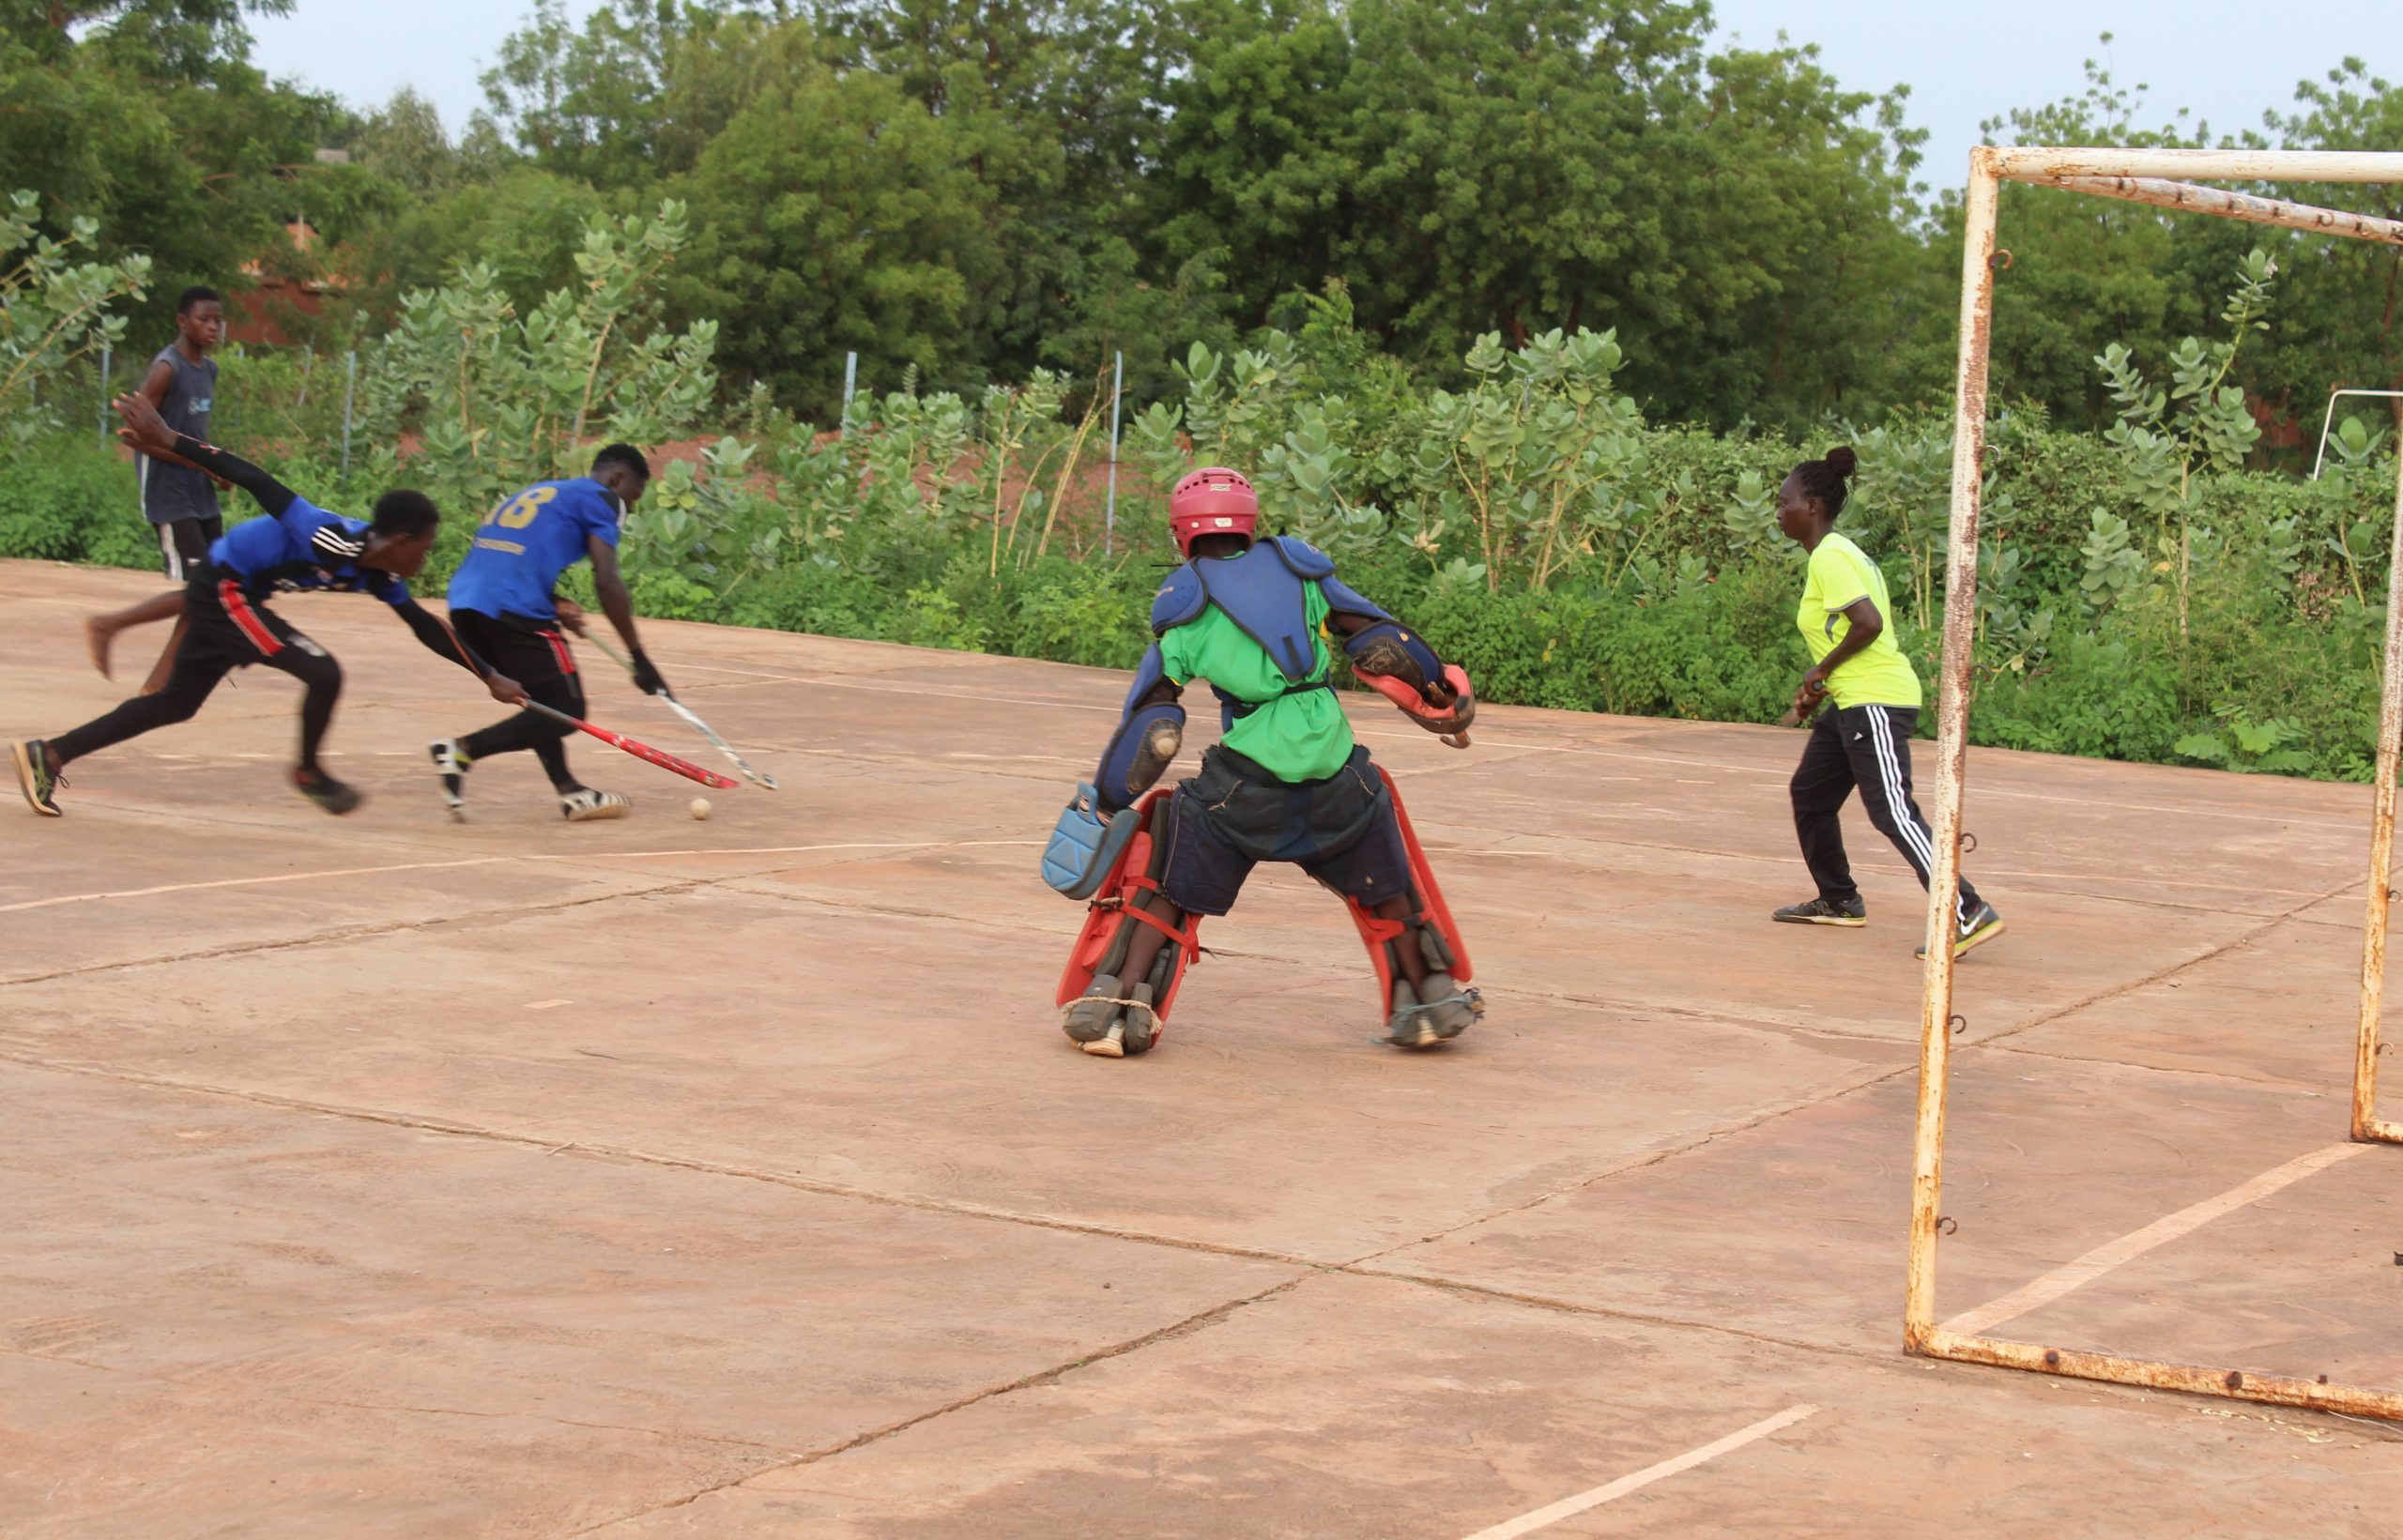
[[54, 310], [837, 213], [1467, 167]]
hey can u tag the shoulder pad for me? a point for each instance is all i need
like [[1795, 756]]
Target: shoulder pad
[[1181, 600], [1307, 561]]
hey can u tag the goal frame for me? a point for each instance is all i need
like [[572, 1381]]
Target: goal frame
[[2159, 177]]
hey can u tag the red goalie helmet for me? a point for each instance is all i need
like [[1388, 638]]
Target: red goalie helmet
[[1212, 501]]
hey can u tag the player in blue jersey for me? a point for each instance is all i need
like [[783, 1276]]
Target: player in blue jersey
[[506, 605], [298, 548]]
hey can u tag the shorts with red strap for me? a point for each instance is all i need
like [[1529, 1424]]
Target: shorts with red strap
[[532, 651], [225, 626]]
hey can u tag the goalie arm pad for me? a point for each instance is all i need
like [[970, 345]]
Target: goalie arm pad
[[1151, 728], [1400, 665]]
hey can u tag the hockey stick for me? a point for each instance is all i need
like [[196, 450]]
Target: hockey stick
[[756, 777], [639, 750], [1800, 715]]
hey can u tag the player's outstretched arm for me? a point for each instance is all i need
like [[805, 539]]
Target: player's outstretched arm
[[444, 642], [147, 432], [609, 584]]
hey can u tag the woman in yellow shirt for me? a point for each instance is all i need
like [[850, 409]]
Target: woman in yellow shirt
[[1865, 742]]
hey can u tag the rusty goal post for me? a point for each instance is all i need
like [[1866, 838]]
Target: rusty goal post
[[2162, 178]]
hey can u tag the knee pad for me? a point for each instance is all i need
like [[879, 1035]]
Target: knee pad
[[1140, 752]]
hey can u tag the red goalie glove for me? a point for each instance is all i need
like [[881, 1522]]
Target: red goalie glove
[[1452, 721]]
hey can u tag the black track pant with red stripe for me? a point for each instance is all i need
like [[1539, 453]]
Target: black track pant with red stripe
[[225, 630], [1867, 748], [533, 653]]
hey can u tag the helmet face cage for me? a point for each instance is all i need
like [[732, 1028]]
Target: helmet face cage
[[1212, 501]]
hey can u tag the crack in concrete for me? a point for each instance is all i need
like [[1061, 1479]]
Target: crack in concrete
[[551, 1144], [1199, 1322]]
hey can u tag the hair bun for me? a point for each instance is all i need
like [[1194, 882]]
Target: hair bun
[[1843, 461]]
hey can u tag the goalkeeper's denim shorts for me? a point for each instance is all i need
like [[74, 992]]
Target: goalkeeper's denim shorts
[[1342, 831]]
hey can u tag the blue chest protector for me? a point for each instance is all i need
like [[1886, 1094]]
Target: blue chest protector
[[1261, 592]]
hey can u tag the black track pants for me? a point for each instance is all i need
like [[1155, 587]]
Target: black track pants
[[1867, 747], [226, 629]]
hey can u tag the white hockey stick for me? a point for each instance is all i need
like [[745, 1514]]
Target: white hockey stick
[[756, 777]]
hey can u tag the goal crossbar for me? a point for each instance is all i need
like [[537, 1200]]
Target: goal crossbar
[[2159, 177]]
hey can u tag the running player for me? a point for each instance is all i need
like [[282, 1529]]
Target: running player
[[505, 602], [1865, 742], [297, 547]]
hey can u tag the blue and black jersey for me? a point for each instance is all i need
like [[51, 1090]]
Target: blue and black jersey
[[299, 548], [303, 549], [524, 544]]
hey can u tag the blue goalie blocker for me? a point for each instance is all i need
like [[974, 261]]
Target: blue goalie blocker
[[1085, 845]]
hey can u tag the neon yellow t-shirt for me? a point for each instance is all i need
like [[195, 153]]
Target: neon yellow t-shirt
[[1295, 738], [1878, 674]]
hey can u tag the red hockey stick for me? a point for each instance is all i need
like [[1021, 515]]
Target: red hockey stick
[[665, 761]]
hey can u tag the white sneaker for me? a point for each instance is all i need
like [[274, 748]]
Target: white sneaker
[[450, 765], [584, 804]]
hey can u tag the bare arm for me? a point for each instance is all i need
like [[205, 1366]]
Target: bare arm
[[155, 384], [609, 584]]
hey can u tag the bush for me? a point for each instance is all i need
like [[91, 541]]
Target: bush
[[65, 499]]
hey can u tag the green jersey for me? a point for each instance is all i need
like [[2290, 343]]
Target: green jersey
[[1840, 575], [1301, 737]]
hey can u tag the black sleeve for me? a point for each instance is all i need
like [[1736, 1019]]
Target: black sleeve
[[270, 494], [439, 639]]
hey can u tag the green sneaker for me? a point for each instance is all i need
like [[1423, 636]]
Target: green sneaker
[[35, 778], [1983, 926], [1824, 911]]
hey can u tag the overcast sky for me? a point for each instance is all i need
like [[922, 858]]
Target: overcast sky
[[1962, 62]]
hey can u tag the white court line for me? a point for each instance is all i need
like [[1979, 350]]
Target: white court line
[[242, 882], [488, 860], [2103, 1259], [1571, 1506]]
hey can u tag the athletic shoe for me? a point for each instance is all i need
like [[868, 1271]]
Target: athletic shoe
[[335, 797], [1825, 911], [1436, 1011], [35, 777], [450, 764], [584, 804], [1087, 1018], [1983, 926]]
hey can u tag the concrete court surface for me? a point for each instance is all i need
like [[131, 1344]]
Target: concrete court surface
[[387, 1177]]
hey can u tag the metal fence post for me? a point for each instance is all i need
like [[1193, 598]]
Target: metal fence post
[[1109, 513], [104, 395], [850, 383], [349, 390]]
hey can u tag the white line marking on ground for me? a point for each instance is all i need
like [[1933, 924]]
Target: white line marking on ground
[[242, 882], [2127, 1248], [1569, 1507], [489, 861], [548, 1005]]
